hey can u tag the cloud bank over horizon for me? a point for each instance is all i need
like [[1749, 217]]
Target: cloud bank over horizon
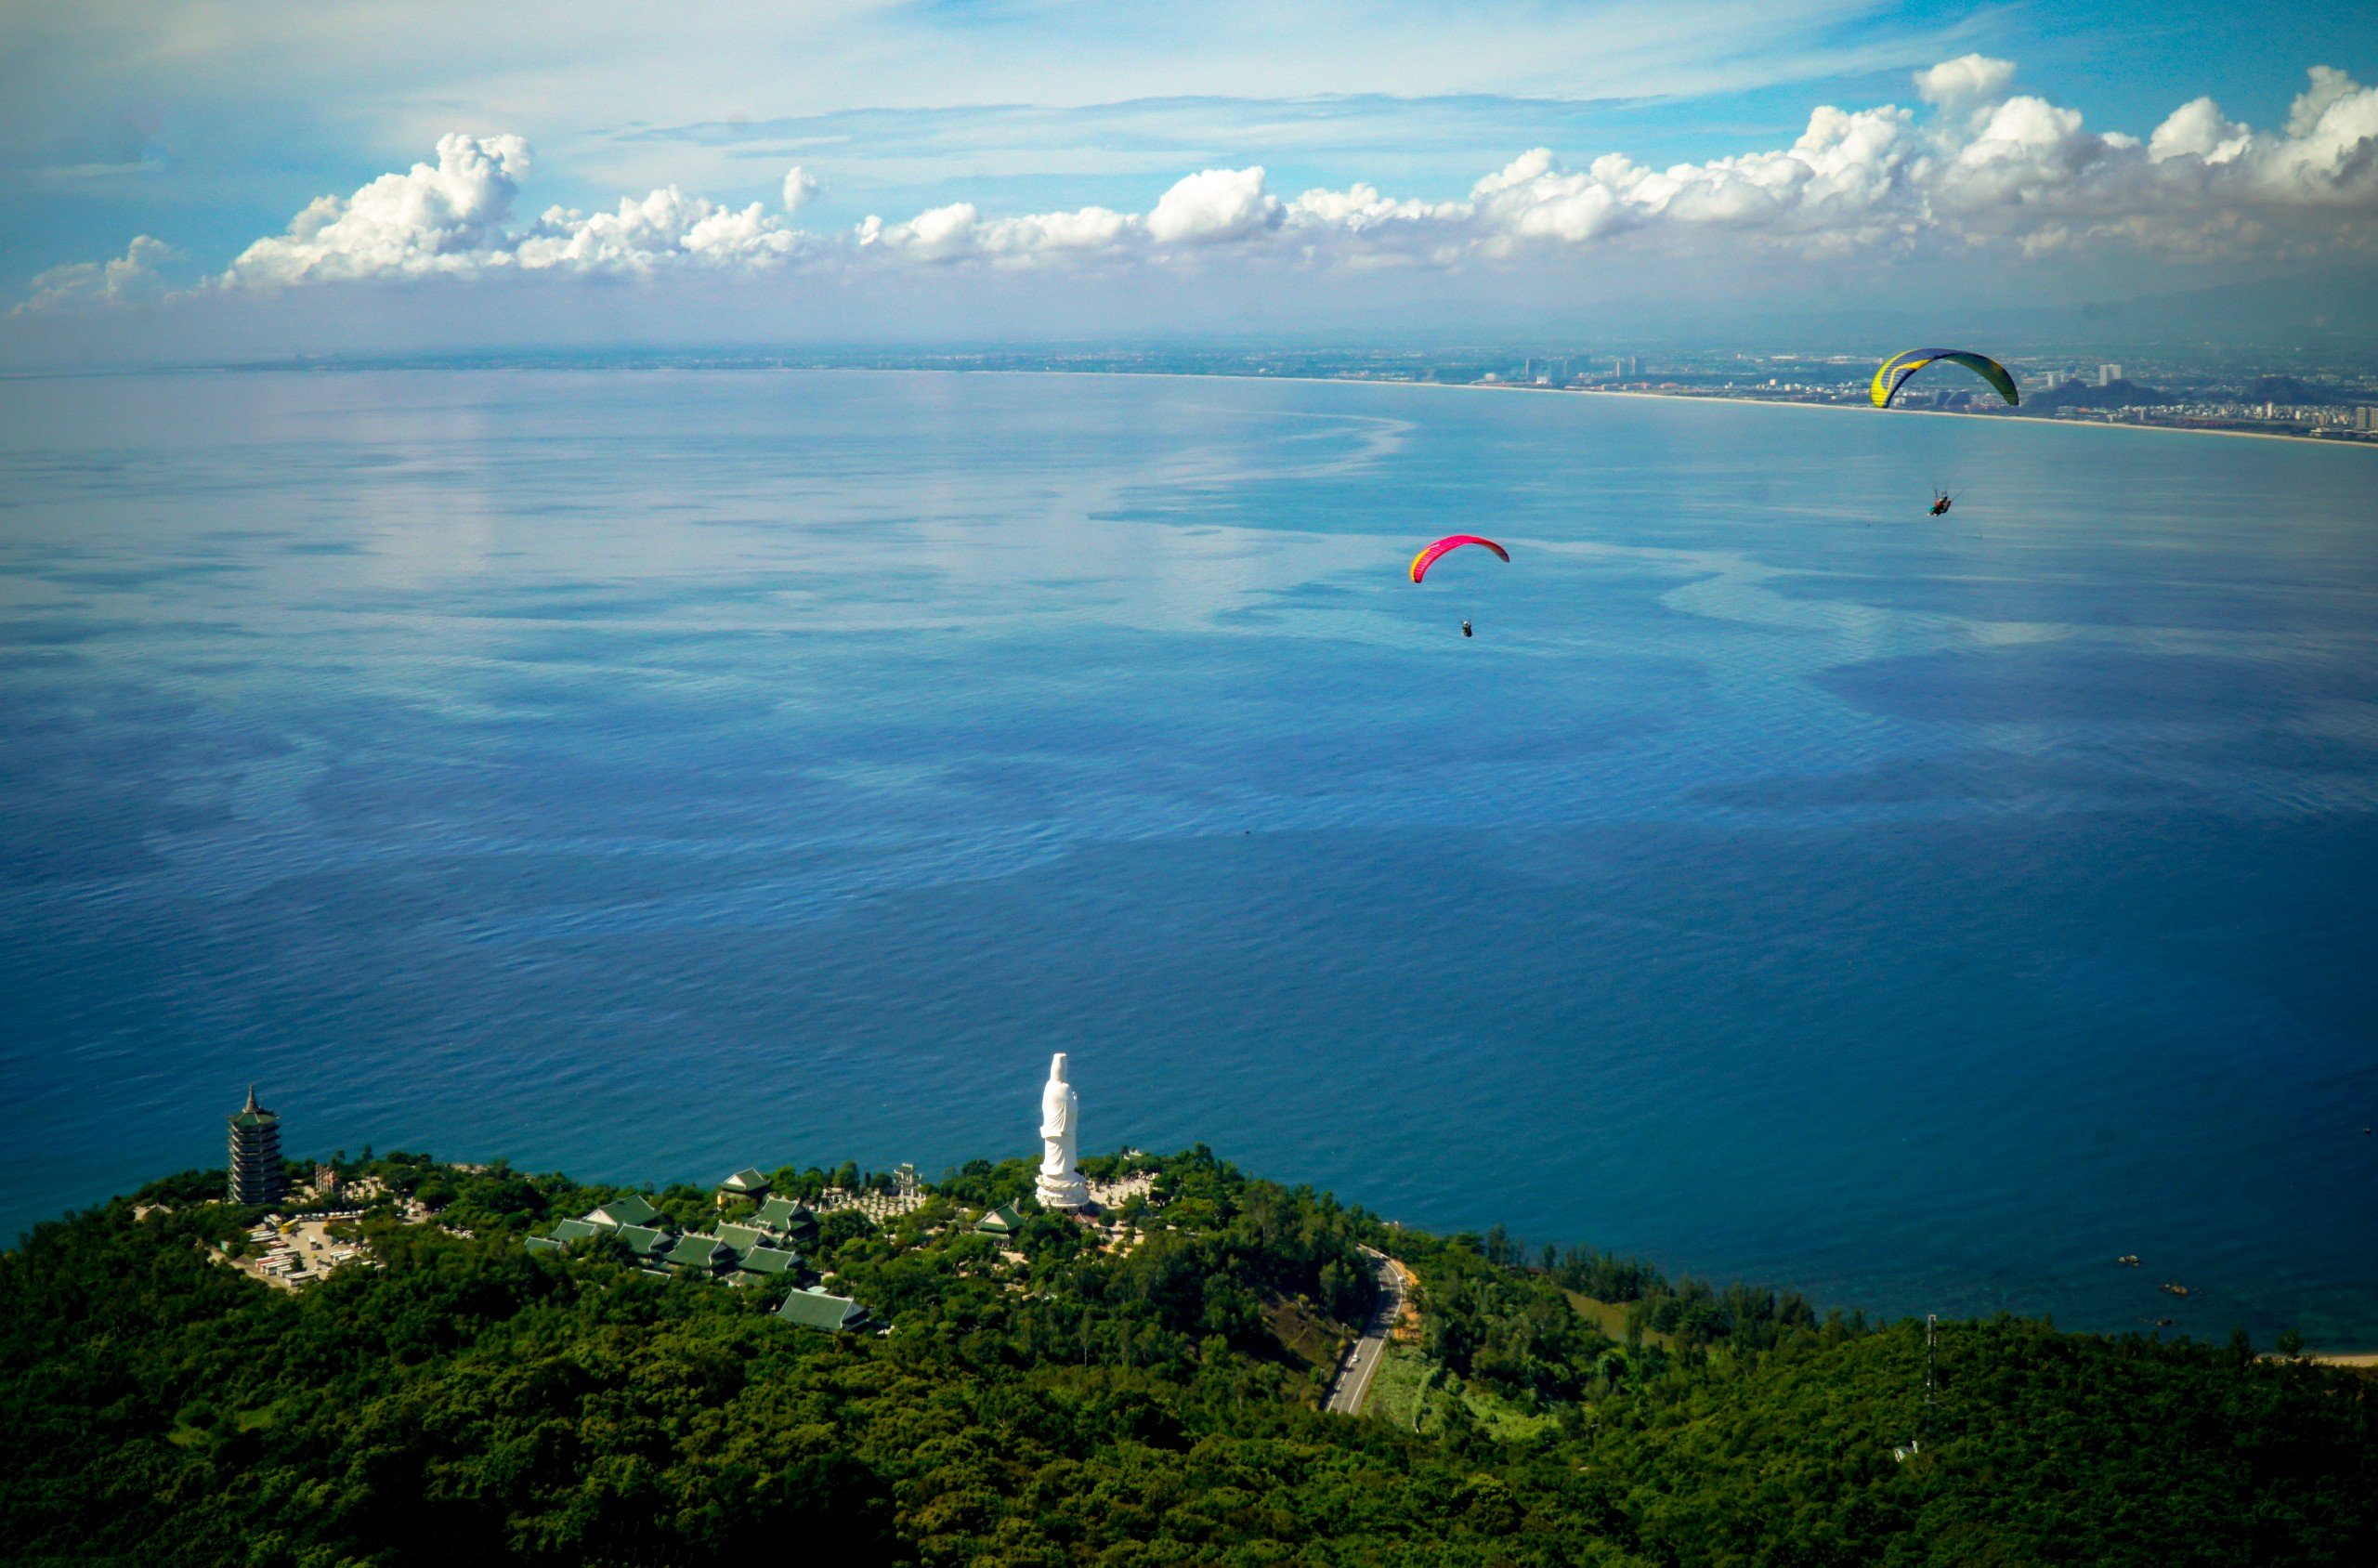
[[1976, 168]]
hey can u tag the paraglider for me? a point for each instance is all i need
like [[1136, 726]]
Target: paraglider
[[1941, 500], [1426, 558], [1896, 371]]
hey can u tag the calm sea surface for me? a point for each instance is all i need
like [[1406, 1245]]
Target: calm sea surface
[[646, 774]]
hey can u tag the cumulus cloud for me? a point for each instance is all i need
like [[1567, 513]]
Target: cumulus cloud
[[447, 218], [958, 232], [665, 228], [1986, 166], [130, 277], [1966, 81], [1845, 176], [2028, 151], [455, 218], [2198, 129], [2032, 173], [1215, 207]]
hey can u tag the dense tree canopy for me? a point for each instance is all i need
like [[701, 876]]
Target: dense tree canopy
[[465, 1400]]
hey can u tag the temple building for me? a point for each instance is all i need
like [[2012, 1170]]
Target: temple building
[[256, 1172], [790, 1218], [815, 1308], [764, 1251], [745, 1183]]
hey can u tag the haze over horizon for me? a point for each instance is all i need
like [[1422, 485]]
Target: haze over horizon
[[187, 182]]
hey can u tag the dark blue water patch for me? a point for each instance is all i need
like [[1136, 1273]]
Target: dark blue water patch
[[2240, 602], [1977, 777], [2341, 757], [2078, 682], [44, 633], [86, 783]]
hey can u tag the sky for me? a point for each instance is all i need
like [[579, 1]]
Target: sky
[[216, 178]]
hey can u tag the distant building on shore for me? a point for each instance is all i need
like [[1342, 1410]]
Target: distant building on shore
[[256, 1172], [2108, 375]]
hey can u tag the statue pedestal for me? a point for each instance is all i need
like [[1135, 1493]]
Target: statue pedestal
[[1065, 1190]]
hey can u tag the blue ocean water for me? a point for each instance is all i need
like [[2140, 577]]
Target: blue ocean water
[[648, 773]]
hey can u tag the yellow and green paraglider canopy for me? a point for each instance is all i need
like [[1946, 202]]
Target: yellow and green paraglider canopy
[[1898, 367]]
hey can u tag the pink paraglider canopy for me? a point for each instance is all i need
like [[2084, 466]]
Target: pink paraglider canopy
[[1426, 558]]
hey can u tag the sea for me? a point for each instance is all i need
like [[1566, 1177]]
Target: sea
[[648, 773]]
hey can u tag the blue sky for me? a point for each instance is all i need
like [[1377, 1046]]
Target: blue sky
[[204, 128]]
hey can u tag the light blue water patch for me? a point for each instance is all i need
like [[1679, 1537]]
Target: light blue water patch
[[649, 774]]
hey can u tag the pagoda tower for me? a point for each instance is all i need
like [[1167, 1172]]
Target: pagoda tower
[[256, 1173]]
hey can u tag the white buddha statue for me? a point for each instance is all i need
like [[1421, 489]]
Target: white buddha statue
[[1061, 1186]]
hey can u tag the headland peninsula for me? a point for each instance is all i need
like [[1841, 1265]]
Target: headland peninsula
[[394, 1360]]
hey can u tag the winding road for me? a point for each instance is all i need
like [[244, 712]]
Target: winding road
[[1354, 1373]]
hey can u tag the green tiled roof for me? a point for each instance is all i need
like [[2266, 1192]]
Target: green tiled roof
[[815, 1308], [1002, 1220], [770, 1261], [698, 1252], [743, 1238], [543, 1243], [646, 1241], [632, 1209], [784, 1214], [575, 1230], [745, 1181]]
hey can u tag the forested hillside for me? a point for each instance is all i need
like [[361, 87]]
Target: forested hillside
[[465, 1400]]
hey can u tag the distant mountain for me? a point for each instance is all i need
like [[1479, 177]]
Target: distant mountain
[[2120, 395], [2288, 390]]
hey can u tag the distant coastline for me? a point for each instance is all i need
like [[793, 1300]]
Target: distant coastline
[[1668, 397], [1952, 414], [499, 362]]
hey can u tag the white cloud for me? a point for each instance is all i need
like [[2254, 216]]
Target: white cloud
[[2198, 129], [130, 277], [664, 229], [1965, 82], [1989, 168], [957, 232], [449, 218], [2330, 88], [2028, 152], [2331, 150], [454, 218], [1215, 207]]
